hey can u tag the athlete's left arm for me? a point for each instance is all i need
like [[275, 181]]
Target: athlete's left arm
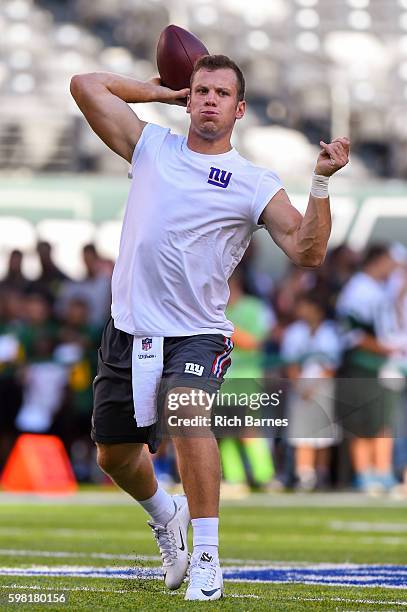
[[305, 238]]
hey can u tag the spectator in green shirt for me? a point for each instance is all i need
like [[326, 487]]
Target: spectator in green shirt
[[253, 321]]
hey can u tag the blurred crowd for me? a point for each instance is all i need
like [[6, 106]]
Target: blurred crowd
[[335, 337], [50, 332]]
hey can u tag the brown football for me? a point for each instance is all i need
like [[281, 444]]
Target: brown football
[[177, 51]]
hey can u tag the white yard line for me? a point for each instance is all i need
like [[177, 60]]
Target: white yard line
[[232, 563], [60, 554]]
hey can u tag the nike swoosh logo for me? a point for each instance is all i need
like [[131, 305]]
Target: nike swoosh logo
[[182, 547], [209, 593]]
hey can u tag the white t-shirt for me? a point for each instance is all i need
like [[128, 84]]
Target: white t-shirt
[[189, 219], [300, 345], [364, 301]]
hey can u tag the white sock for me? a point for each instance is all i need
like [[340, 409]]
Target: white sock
[[160, 506], [205, 536]]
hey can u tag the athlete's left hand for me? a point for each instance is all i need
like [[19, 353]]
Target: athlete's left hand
[[333, 156]]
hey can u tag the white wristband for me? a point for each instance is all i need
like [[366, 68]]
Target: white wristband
[[319, 186]]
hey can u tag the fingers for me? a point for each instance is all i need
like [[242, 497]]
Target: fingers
[[177, 97], [324, 145], [343, 139], [173, 93], [328, 151], [344, 142], [182, 93], [333, 156], [172, 96], [337, 150]]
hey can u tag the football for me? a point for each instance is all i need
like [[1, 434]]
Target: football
[[177, 52]]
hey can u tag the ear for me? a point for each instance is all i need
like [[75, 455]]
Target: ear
[[241, 109], [188, 103]]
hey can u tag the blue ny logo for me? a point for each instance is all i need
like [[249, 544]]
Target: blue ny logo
[[218, 177]]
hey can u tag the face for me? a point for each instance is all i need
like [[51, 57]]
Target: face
[[388, 265], [308, 312], [14, 305], [36, 309], [213, 104], [77, 313]]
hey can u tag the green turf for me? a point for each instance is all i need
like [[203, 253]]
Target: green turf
[[275, 534], [150, 596]]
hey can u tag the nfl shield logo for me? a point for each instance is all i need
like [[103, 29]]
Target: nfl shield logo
[[146, 344]]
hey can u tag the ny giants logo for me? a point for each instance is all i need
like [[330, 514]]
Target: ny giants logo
[[194, 368], [146, 344], [219, 177]]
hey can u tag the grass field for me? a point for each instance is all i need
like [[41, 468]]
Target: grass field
[[300, 552]]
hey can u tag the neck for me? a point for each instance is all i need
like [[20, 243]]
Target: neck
[[373, 273], [314, 325], [199, 144]]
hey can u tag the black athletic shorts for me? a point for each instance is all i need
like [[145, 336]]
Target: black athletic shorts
[[113, 420]]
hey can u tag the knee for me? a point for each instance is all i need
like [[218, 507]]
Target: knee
[[112, 459]]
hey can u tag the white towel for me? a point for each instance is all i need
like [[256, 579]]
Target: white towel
[[147, 368]]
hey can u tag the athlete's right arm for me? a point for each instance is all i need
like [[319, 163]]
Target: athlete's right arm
[[104, 100]]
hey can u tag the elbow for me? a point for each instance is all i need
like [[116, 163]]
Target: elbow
[[80, 84], [77, 84], [310, 254], [310, 261]]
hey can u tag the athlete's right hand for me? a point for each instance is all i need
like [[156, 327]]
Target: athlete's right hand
[[167, 95]]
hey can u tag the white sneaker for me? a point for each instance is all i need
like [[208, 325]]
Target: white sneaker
[[172, 540], [205, 579]]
